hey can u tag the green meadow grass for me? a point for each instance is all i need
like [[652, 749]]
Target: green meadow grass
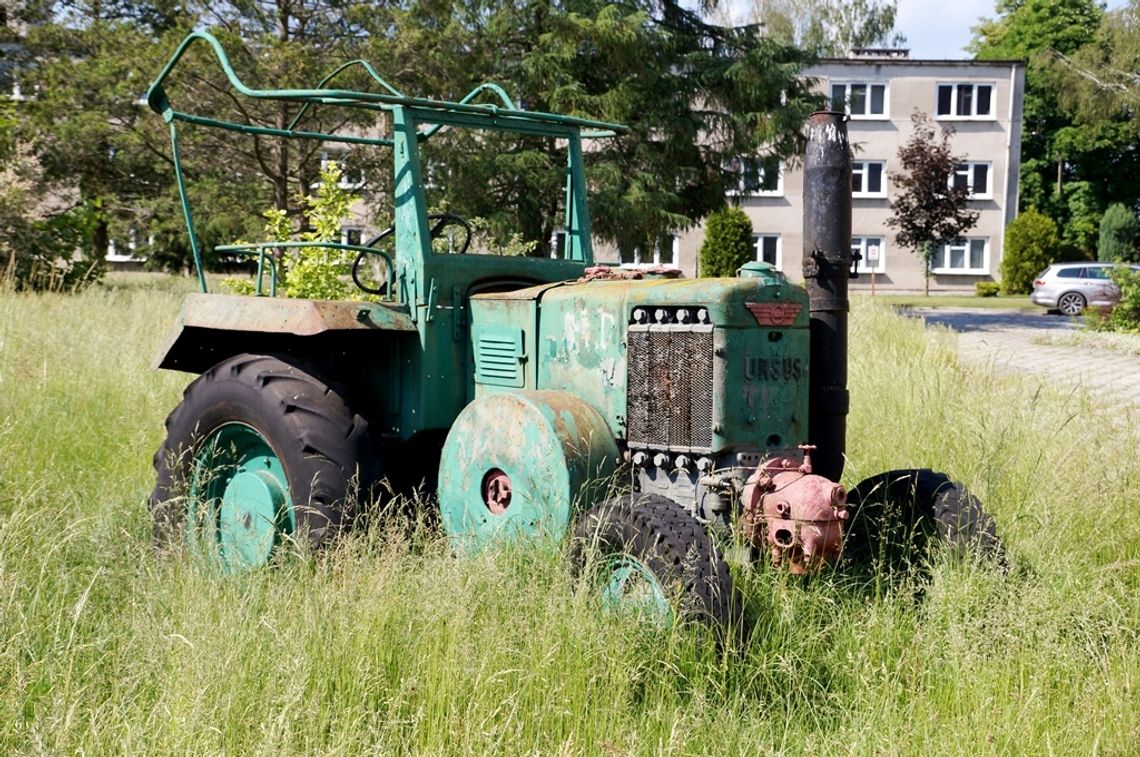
[[388, 644]]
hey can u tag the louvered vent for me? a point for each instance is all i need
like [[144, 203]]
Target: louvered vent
[[498, 358], [670, 390]]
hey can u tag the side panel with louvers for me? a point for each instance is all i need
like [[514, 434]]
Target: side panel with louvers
[[499, 357], [669, 401]]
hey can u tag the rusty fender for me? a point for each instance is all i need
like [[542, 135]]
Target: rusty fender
[[795, 514]]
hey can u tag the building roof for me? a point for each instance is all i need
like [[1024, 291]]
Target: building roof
[[921, 62]]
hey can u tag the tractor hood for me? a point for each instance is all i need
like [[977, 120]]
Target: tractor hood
[[738, 302]]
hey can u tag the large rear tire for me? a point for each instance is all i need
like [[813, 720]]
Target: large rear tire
[[258, 453], [895, 516], [652, 557]]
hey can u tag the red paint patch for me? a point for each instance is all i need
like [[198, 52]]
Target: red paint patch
[[774, 313]]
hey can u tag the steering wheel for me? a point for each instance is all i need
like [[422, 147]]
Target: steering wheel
[[444, 227]]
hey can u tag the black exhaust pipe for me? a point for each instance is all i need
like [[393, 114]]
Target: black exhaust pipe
[[827, 266]]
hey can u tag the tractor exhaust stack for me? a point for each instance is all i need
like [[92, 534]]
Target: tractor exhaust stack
[[826, 267]]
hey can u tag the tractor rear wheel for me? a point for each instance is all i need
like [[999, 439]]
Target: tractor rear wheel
[[257, 454], [652, 557], [896, 515]]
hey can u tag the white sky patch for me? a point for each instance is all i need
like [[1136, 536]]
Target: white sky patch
[[933, 30]]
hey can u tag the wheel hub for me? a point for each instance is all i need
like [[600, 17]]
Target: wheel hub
[[248, 518], [496, 491], [239, 500], [632, 587]]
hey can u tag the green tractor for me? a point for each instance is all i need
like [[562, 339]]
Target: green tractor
[[653, 418]]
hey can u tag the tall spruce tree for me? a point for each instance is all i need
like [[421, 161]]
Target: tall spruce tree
[[696, 96]]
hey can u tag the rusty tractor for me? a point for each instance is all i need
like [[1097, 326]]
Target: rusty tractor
[[651, 418]]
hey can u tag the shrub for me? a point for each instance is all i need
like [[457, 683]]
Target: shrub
[[316, 273], [1118, 232], [728, 242], [987, 288], [1031, 244], [1125, 315]]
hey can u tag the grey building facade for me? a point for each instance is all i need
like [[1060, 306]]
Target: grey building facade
[[880, 90]]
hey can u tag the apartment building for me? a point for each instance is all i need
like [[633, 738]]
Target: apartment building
[[880, 89]]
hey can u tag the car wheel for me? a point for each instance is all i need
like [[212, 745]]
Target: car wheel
[[1071, 303]]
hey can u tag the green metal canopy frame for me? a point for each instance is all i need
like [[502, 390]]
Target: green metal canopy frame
[[504, 115]]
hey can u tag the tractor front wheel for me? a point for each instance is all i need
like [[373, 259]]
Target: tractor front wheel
[[651, 557], [258, 453], [896, 515]]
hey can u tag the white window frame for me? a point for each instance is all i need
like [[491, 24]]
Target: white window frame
[[345, 182], [739, 190], [758, 245], [941, 262], [347, 229], [131, 255], [866, 116], [558, 243], [953, 114], [969, 170], [861, 243], [861, 167], [641, 260]]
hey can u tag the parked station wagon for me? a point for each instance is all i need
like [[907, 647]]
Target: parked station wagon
[[1071, 287]]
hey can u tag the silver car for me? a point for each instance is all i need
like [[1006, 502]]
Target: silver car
[[1071, 287]]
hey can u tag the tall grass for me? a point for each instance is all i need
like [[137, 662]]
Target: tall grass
[[389, 644]]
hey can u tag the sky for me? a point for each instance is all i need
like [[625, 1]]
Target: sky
[[937, 29]]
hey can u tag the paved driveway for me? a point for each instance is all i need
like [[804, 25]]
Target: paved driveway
[[1009, 340]]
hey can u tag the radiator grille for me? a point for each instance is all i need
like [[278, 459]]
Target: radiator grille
[[669, 400]]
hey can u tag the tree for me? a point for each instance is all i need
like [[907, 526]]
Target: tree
[[929, 208], [1073, 164], [1119, 230], [86, 128], [697, 96], [1032, 243], [830, 27], [728, 242], [1101, 76]]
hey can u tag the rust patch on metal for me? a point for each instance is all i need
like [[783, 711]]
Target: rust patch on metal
[[612, 273], [774, 313], [796, 515], [288, 316]]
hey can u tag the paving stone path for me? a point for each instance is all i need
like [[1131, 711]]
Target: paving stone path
[[1017, 342]]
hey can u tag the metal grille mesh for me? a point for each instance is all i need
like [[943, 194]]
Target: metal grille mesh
[[670, 388]]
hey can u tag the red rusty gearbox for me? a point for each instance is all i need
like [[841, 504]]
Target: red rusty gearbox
[[797, 515]]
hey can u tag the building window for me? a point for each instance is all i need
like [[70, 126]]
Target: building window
[[130, 247], [963, 256], [965, 101], [860, 99], [9, 82], [761, 177], [351, 177], [870, 252], [976, 178], [558, 245], [351, 235], [664, 254], [867, 178], [768, 249]]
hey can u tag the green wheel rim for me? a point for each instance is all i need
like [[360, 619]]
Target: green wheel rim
[[239, 505], [630, 587]]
